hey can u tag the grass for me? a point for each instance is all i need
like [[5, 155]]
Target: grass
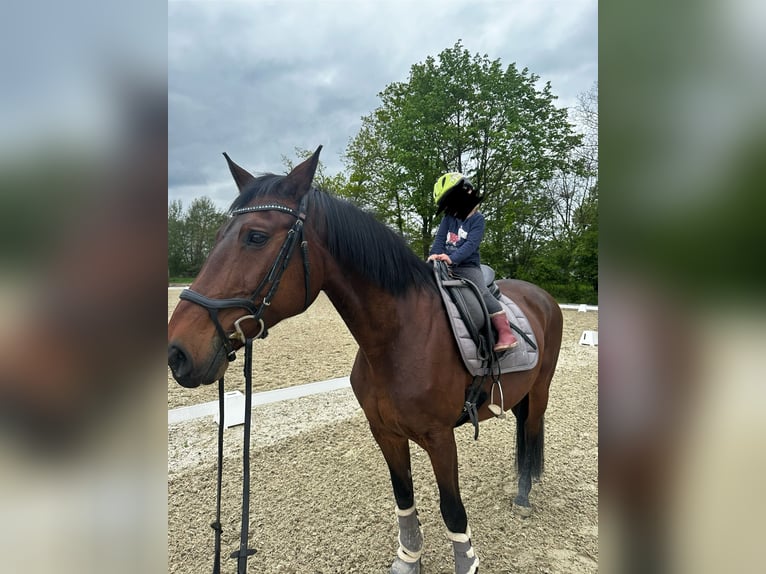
[[180, 280]]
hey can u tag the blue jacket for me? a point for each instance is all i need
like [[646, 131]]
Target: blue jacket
[[460, 239]]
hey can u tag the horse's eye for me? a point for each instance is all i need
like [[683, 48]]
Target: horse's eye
[[257, 238]]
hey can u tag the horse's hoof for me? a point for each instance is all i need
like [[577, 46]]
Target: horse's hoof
[[523, 510], [401, 567]]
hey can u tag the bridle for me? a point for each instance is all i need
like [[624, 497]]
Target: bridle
[[256, 311], [273, 277]]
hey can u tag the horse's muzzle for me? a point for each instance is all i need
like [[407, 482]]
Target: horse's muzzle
[[181, 366]]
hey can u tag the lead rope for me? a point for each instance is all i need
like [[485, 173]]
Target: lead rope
[[217, 524], [242, 554]]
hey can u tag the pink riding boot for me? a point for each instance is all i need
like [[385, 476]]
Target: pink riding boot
[[505, 339]]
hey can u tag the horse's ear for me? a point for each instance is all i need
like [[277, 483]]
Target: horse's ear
[[241, 176], [302, 175]]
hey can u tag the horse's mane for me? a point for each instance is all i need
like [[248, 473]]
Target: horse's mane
[[355, 239]]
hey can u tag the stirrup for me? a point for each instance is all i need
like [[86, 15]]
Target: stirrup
[[499, 349]]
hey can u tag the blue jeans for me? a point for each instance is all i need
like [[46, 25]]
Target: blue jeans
[[474, 275]]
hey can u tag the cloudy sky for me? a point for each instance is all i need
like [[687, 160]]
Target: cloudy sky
[[259, 78]]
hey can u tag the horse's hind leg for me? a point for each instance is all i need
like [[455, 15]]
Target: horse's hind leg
[[442, 450], [396, 451], [530, 443]]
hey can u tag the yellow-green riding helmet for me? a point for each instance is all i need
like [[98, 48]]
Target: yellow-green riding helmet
[[446, 182], [454, 193]]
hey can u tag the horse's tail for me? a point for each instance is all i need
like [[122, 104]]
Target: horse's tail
[[530, 448]]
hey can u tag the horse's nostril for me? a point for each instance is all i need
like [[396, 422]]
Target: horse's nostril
[[177, 359]]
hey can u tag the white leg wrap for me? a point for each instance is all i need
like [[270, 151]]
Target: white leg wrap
[[410, 535], [406, 511], [408, 556], [458, 537], [466, 561]]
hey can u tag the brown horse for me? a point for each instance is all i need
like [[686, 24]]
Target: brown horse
[[408, 375]]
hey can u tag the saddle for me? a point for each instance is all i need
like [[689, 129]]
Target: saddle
[[472, 328], [466, 297]]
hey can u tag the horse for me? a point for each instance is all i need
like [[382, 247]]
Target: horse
[[408, 376]]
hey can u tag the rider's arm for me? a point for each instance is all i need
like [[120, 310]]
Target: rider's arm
[[440, 240], [472, 242]]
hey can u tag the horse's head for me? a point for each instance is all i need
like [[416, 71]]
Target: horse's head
[[257, 274]]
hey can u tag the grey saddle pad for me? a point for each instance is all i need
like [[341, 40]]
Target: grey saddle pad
[[520, 358]]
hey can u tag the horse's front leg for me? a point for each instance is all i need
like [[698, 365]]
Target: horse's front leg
[[442, 450], [396, 451]]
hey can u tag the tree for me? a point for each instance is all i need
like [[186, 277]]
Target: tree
[[202, 223], [586, 115], [585, 247], [585, 251], [191, 235], [566, 263], [175, 238], [464, 113], [322, 179]]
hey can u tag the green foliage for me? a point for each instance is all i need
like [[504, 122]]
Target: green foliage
[[585, 249], [191, 235], [459, 112], [322, 180], [172, 280], [466, 113]]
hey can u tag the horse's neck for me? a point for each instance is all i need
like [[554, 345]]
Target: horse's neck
[[375, 318]]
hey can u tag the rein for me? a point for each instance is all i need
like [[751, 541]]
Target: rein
[[244, 552], [273, 277]]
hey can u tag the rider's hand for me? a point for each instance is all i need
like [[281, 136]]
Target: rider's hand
[[440, 257]]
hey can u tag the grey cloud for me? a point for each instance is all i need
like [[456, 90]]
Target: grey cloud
[[259, 79]]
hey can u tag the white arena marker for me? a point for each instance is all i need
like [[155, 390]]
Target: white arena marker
[[233, 409], [589, 338], [582, 308], [182, 414]]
